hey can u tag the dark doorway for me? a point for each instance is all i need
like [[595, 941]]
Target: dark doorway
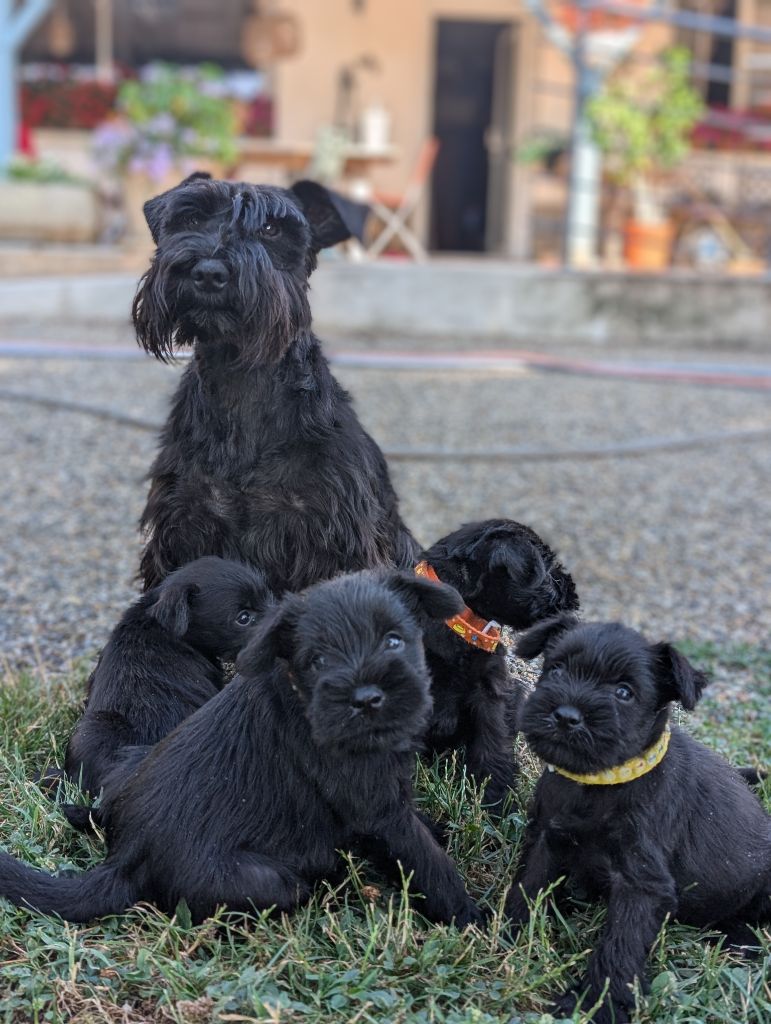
[[468, 55]]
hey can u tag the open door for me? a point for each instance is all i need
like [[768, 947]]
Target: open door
[[472, 117]]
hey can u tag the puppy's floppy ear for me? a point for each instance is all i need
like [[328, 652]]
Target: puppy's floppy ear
[[520, 558], [677, 678], [154, 208], [171, 607], [332, 217], [274, 638], [436, 600], [538, 638]]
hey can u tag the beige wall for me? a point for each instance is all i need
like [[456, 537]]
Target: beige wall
[[400, 35]]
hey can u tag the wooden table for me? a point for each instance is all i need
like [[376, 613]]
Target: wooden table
[[289, 159]]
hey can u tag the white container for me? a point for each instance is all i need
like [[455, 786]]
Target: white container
[[375, 127]]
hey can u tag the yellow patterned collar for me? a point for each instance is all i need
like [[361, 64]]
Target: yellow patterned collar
[[626, 772]]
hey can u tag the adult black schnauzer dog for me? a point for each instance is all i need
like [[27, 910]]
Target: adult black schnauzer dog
[[262, 458], [249, 800], [162, 662], [633, 809], [507, 574]]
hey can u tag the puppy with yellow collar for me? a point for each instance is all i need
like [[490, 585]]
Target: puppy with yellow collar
[[632, 809]]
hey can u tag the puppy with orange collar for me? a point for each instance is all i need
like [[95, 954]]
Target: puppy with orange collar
[[508, 576]]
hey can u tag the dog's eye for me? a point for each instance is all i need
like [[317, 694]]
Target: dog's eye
[[624, 693], [245, 617], [270, 229], [393, 642], [192, 221], [319, 663]]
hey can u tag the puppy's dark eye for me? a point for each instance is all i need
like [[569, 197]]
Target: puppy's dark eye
[[393, 642], [192, 221], [624, 693], [319, 663], [270, 229], [245, 617]]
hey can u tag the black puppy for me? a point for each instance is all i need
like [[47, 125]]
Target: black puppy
[[508, 576], [162, 662], [632, 809], [249, 800], [262, 458]]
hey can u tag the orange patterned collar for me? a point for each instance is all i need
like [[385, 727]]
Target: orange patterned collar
[[477, 632]]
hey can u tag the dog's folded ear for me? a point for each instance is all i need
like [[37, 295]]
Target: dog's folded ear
[[538, 637], [154, 208], [436, 600], [677, 678], [332, 217], [521, 560], [273, 640], [529, 559], [171, 605]]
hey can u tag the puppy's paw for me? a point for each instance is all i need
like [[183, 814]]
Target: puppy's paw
[[437, 827], [471, 914], [610, 1011], [48, 779], [496, 794], [516, 911], [81, 817]]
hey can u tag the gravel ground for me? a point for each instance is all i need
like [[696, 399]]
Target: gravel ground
[[677, 543]]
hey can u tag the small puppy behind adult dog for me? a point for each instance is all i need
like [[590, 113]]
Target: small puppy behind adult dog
[[162, 662], [262, 457], [249, 800], [632, 809], [509, 577]]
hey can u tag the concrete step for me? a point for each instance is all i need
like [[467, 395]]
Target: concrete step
[[466, 301]]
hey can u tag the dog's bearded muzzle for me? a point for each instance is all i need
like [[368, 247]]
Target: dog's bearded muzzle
[[369, 714], [565, 728], [209, 292]]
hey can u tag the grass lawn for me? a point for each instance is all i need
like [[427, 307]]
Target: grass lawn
[[356, 953]]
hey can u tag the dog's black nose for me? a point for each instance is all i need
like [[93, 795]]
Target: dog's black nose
[[210, 275], [567, 716], [367, 698]]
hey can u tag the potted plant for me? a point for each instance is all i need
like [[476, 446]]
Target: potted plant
[[643, 125], [167, 124], [42, 202]]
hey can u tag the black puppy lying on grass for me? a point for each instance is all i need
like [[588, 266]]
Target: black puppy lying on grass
[[632, 809], [162, 662], [249, 800], [508, 576]]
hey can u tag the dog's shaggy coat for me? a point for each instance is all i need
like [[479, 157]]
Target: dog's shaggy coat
[[688, 839], [262, 458], [249, 800]]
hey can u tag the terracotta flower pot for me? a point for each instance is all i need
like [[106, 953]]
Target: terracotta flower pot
[[648, 246]]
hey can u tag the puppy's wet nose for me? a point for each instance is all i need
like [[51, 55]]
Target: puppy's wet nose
[[210, 275], [367, 698], [567, 717]]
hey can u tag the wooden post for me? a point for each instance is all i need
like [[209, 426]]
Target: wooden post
[[741, 94], [103, 34], [16, 23]]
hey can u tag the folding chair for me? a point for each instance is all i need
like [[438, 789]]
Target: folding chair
[[394, 211]]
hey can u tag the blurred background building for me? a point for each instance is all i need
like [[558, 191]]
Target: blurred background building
[[467, 114]]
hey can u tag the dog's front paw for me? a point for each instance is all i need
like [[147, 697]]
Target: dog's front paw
[[610, 1011], [516, 910], [470, 914], [495, 795], [437, 827]]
